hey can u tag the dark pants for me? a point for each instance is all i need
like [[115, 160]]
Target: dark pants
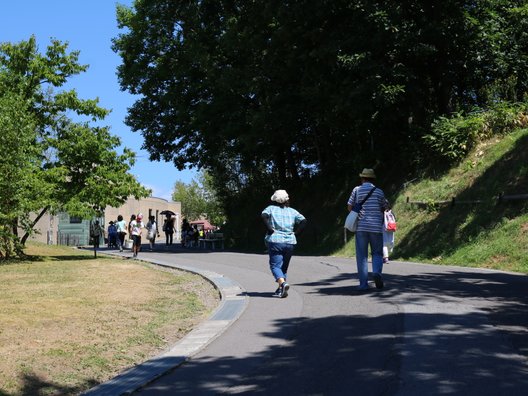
[[121, 239], [279, 258]]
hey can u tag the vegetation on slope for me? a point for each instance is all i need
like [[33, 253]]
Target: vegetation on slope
[[489, 234]]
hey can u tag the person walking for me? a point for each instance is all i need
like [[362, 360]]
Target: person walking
[[96, 232], [369, 229], [168, 229], [112, 235], [283, 223], [135, 228], [152, 231], [389, 228], [185, 226], [121, 232]]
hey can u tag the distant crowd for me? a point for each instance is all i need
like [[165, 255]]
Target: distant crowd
[[135, 228]]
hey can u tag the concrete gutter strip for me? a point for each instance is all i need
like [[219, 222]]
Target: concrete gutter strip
[[233, 303]]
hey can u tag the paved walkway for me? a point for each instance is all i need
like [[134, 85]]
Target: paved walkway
[[433, 330]]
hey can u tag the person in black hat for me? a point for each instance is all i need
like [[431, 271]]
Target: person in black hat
[[112, 235]]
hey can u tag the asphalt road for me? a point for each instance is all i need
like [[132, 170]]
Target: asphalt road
[[433, 330]]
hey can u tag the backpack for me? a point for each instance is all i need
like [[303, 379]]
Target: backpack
[[389, 221]]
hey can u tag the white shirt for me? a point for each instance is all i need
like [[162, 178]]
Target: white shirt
[[136, 227]]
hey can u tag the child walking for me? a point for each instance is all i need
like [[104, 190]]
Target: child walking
[[389, 228]]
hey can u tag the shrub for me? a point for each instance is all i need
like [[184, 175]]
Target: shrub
[[452, 137]]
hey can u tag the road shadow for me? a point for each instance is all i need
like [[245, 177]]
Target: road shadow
[[270, 294], [357, 354], [505, 293], [161, 249]]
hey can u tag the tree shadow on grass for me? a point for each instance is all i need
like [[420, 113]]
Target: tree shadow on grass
[[46, 259], [34, 385], [73, 258], [454, 226]]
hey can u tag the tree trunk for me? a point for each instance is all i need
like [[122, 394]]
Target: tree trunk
[[281, 167], [292, 165], [26, 235]]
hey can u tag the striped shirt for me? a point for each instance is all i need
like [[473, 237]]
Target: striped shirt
[[370, 217], [283, 221]]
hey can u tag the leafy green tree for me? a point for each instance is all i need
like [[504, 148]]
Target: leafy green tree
[[267, 94], [214, 210], [191, 198], [20, 185], [73, 166], [198, 199]]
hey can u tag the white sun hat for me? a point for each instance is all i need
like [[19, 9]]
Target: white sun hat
[[280, 196]]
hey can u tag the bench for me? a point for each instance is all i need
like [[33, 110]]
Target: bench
[[213, 240]]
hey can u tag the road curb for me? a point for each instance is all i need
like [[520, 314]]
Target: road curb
[[232, 304]]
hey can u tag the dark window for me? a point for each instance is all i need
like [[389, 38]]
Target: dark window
[[75, 220]]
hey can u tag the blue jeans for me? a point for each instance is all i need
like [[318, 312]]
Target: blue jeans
[[363, 239], [279, 258]]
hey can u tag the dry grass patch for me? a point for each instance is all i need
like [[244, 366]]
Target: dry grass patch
[[69, 321]]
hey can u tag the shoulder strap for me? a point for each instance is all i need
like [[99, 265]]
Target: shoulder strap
[[368, 196]]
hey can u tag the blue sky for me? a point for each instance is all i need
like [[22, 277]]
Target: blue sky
[[88, 27]]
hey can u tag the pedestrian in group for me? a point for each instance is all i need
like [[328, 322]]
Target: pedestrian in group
[[96, 232], [283, 223], [168, 229], [121, 232], [185, 227], [112, 235], [190, 237], [196, 236], [369, 228], [152, 231], [135, 228], [129, 229]]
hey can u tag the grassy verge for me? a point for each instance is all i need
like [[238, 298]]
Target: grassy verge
[[488, 235], [69, 321]]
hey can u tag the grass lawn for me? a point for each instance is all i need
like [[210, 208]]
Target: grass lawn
[[69, 321]]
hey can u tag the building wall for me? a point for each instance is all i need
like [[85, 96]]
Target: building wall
[[46, 229], [151, 206]]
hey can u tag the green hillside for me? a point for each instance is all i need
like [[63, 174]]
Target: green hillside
[[490, 234]]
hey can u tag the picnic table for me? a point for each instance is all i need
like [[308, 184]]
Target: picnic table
[[213, 239]]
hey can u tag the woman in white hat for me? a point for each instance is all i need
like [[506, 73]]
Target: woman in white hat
[[369, 228], [282, 223]]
